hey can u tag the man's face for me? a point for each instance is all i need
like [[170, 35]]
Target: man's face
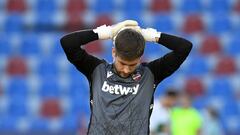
[[124, 67], [172, 101]]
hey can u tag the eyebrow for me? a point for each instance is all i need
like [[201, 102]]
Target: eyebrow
[[127, 64]]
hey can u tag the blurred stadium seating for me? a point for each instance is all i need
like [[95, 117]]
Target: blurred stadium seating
[[41, 91]]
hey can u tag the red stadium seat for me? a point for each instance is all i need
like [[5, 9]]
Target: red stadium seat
[[237, 6], [225, 66], [83, 128], [210, 45], [103, 19], [95, 47], [16, 6], [193, 24], [161, 6], [74, 7], [16, 66], [51, 108], [73, 23], [194, 87]]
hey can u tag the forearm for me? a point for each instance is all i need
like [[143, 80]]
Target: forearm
[[78, 38], [71, 44], [170, 62], [177, 44]]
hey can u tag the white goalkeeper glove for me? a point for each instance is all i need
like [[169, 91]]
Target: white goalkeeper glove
[[107, 32], [150, 34]]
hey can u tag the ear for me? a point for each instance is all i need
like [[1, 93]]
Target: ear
[[113, 53]]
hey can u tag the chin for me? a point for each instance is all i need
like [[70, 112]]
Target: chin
[[124, 75]]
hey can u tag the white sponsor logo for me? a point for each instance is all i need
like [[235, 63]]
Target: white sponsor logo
[[109, 73], [119, 89]]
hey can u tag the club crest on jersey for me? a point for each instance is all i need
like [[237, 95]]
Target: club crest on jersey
[[118, 89], [136, 77]]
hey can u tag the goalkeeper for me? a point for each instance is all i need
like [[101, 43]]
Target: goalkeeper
[[121, 93]]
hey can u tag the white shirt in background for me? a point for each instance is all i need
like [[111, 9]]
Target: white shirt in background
[[160, 115]]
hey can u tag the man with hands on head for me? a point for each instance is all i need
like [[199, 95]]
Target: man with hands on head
[[121, 93]]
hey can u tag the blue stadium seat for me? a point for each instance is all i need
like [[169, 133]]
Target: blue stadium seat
[[57, 49], [230, 107], [153, 49], [17, 87], [46, 6], [233, 48], [220, 24], [45, 24], [48, 68], [45, 12], [197, 66], [18, 108], [221, 87], [75, 74], [79, 89], [107, 56], [230, 124], [70, 123], [39, 125], [219, 6], [8, 123], [49, 88], [104, 6], [30, 45], [191, 6], [5, 46], [132, 6], [135, 16], [14, 23], [163, 23], [80, 106], [200, 102]]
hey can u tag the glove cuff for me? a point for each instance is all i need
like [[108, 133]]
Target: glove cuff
[[104, 32], [151, 34]]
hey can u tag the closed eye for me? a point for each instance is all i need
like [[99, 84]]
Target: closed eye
[[131, 65]]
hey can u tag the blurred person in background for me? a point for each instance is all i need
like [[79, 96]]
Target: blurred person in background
[[160, 118], [185, 119], [211, 124]]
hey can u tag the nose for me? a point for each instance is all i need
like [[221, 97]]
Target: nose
[[126, 70]]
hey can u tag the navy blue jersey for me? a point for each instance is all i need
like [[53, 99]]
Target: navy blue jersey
[[122, 106]]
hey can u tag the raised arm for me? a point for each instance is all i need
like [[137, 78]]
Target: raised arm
[[166, 65], [71, 44]]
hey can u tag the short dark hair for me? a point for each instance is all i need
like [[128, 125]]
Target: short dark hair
[[129, 44], [171, 92]]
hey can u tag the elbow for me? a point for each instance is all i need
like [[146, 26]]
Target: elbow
[[189, 46], [63, 41], [186, 46]]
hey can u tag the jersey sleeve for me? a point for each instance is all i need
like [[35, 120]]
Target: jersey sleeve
[[71, 44], [170, 62]]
